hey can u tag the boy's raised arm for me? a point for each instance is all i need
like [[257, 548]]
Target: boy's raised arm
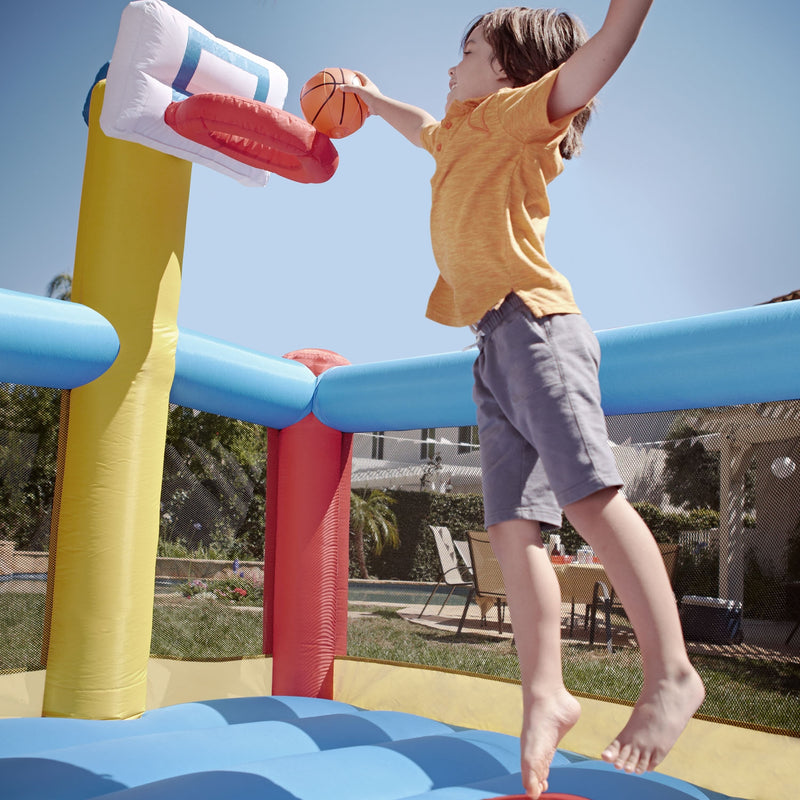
[[404, 118], [589, 68]]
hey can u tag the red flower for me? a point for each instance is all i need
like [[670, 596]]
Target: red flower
[[241, 592]]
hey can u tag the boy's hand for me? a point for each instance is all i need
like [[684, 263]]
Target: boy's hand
[[367, 91]]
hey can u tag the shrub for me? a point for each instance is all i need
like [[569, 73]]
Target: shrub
[[793, 555], [763, 591], [415, 558], [240, 586]]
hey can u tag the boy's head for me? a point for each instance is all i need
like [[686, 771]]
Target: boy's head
[[530, 42]]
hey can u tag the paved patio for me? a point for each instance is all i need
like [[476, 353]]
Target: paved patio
[[763, 639]]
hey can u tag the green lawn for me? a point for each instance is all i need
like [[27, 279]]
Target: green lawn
[[740, 689], [206, 629], [21, 624]]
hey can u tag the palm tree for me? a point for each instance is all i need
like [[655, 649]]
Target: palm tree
[[371, 516], [60, 287]]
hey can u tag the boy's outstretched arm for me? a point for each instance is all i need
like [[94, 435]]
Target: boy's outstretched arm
[[588, 69], [404, 118]]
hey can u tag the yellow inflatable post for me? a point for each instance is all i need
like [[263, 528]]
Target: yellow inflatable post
[[127, 267]]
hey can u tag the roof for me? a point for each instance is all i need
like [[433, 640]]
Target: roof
[[375, 474], [795, 295]]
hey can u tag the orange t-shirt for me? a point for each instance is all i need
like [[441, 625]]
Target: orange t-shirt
[[494, 158]]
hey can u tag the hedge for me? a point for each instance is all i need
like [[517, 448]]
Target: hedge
[[416, 558]]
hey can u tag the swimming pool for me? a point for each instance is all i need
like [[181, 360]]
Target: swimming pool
[[400, 593]]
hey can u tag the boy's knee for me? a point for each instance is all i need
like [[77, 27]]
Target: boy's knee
[[514, 533], [592, 505]]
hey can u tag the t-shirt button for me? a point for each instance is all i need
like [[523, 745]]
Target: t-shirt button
[[438, 147]]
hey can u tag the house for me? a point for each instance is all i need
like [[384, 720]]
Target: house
[[434, 459]]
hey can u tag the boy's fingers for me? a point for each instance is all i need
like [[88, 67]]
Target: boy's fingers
[[359, 91]]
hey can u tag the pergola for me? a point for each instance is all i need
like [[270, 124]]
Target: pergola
[[767, 434]]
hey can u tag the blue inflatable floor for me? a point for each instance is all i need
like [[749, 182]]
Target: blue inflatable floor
[[288, 748]]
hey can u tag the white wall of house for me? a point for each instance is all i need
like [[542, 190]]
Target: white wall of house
[[401, 459]]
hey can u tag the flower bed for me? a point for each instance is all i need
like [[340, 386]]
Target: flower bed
[[235, 585]]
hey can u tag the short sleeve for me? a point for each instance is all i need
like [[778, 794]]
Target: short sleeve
[[523, 111], [428, 136]]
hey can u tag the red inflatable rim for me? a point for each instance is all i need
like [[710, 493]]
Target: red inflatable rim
[[255, 134], [545, 796]]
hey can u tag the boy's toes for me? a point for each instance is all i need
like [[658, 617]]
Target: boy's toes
[[535, 789], [611, 753], [627, 759], [637, 761]]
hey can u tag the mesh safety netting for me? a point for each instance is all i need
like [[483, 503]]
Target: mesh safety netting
[[719, 488]]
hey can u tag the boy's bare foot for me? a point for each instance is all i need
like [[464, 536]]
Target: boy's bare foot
[[658, 719], [545, 723]]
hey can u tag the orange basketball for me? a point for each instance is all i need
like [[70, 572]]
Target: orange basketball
[[330, 111]]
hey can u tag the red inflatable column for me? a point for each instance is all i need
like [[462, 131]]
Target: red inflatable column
[[307, 548]]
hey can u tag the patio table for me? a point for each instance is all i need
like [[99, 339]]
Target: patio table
[[585, 584]]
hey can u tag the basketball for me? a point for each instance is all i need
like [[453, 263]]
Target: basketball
[[330, 111]]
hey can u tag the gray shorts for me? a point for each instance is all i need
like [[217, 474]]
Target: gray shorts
[[543, 437]]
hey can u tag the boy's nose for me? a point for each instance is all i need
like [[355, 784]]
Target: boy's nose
[[451, 72]]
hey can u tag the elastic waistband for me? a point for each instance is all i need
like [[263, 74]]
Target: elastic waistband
[[492, 318]]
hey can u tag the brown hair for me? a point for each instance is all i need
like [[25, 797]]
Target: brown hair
[[530, 42]]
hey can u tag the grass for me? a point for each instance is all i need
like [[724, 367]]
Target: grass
[[205, 629], [739, 689], [21, 623]]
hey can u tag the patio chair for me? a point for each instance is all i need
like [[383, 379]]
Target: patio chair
[[484, 603], [669, 553], [463, 550], [450, 573], [609, 603], [487, 578], [793, 606]]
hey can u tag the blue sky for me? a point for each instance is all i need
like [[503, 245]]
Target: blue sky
[[684, 201]]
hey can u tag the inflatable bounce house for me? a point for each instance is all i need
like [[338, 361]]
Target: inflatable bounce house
[[104, 719]]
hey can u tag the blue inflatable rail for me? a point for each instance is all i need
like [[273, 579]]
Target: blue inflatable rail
[[212, 375], [749, 355], [46, 342], [729, 358], [425, 392], [289, 748]]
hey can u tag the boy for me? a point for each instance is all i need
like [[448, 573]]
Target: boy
[[518, 102]]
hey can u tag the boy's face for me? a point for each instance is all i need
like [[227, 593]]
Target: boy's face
[[478, 73]]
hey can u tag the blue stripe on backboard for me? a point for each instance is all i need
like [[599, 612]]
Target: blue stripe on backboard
[[196, 43]]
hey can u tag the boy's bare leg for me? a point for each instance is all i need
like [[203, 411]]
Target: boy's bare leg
[[534, 599], [672, 689]]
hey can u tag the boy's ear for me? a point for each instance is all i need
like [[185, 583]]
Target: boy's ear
[[499, 72], [501, 76]]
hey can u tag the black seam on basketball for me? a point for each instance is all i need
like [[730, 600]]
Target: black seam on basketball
[[325, 73]]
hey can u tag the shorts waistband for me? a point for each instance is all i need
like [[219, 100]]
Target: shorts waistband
[[492, 318]]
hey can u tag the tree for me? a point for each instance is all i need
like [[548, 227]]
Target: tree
[[213, 490], [691, 473], [28, 441], [372, 516], [60, 287]]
